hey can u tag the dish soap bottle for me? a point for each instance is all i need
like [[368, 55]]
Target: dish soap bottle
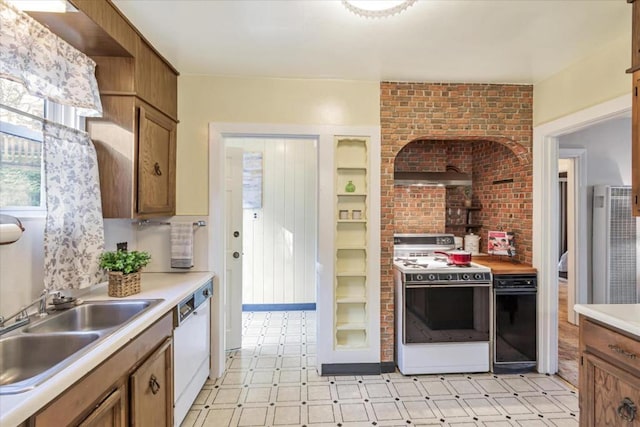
[[350, 187]]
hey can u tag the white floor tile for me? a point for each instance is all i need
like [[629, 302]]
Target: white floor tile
[[272, 381]]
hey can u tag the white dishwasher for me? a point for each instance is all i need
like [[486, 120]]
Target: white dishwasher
[[191, 349]]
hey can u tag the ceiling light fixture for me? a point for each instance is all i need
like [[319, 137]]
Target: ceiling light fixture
[[377, 8], [57, 6]]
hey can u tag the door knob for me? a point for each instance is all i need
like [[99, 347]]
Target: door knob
[[236, 255]]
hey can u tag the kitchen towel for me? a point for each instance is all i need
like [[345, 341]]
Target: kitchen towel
[[181, 245]]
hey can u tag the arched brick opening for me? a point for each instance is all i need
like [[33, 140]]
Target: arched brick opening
[[497, 118]]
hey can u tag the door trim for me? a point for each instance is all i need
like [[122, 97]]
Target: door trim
[[578, 261], [545, 214], [324, 134]]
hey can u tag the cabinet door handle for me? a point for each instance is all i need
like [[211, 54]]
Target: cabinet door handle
[[157, 170], [627, 410], [622, 351], [154, 385]]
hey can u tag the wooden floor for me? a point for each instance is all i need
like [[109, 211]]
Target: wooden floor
[[567, 339]]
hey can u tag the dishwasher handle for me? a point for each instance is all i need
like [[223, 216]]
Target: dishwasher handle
[[189, 305]]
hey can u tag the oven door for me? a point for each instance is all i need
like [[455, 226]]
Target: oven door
[[446, 313], [516, 325]]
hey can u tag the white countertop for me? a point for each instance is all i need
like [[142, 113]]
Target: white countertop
[[625, 317], [172, 287]]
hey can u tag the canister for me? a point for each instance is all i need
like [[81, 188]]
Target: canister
[[458, 242], [472, 243]]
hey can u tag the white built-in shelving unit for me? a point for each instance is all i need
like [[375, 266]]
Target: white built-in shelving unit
[[351, 291]]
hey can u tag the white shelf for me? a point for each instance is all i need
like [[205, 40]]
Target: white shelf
[[351, 274], [352, 167], [352, 221], [344, 193], [341, 247], [351, 300], [351, 326]]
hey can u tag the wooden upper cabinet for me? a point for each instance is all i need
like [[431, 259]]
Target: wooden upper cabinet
[[635, 36], [635, 123], [136, 137], [156, 164], [635, 146], [155, 82]]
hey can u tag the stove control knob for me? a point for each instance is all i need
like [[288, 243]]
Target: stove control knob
[[418, 276], [466, 276], [449, 276], [478, 276], [431, 277]]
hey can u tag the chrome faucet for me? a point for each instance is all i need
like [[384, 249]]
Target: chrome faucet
[[22, 317], [42, 303]]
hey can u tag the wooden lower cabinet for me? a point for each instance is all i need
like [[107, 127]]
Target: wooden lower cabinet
[[612, 397], [133, 387], [609, 376], [152, 389], [111, 412]]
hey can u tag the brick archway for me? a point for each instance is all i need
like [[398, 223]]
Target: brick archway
[[446, 112]]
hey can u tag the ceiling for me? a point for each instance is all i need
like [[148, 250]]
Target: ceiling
[[507, 41]]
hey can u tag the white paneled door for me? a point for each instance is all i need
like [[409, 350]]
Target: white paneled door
[[233, 248], [280, 235]]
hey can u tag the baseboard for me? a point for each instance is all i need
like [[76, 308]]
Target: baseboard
[[358, 368], [311, 306]]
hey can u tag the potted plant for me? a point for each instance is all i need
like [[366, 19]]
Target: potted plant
[[466, 191], [124, 271]]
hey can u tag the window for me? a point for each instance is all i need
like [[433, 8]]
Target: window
[[21, 171]]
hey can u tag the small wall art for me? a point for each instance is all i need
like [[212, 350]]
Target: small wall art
[[252, 180]]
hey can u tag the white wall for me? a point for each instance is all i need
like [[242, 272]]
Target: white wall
[[279, 242], [206, 99], [22, 267], [608, 161], [598, 77], [608, 148], [22, 263]]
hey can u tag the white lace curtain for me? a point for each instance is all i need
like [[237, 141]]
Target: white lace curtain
[[45, 64], [74, 234], [50, 68]]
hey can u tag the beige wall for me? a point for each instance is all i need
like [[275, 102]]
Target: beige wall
[[205, 99], [595, 79]]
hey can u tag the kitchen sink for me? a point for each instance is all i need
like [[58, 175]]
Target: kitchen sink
[[91, 316], [33, 353], [26, 359]]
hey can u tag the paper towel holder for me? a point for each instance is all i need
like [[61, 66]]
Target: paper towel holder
[[11, 229]]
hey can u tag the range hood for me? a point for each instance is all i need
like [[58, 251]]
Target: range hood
[[440, 179]]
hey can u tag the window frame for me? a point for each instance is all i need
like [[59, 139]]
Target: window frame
[[58, 113]]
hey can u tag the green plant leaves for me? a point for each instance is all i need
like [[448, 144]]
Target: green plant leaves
[[124, 261]]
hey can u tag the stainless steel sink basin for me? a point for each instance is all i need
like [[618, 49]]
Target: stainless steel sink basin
[[24, 359], [90, 316], [33, 353]]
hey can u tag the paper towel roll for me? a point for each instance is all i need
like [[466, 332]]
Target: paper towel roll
[[9, 233]]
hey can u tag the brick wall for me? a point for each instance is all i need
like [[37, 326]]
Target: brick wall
[[470, 120]]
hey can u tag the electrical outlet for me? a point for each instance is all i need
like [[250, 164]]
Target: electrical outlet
[[122, 246]]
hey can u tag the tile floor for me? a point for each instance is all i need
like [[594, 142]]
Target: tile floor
[[272, 381]]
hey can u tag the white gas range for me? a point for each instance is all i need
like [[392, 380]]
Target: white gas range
[[442, 311]]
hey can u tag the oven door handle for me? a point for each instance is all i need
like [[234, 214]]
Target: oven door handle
[[449, 285], [515, 291]]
